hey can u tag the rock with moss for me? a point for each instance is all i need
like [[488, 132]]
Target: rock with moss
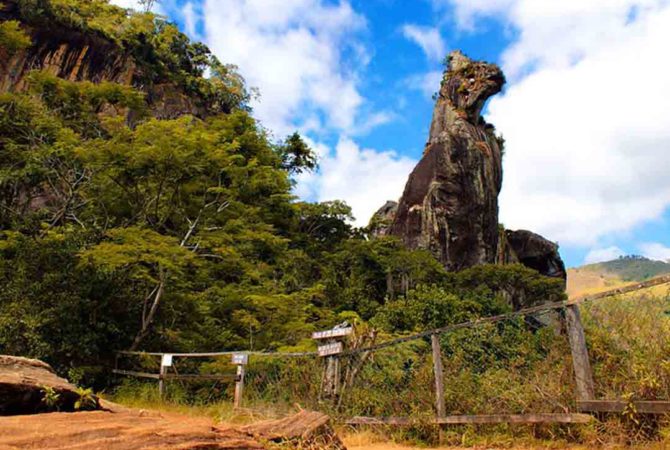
[[450, 202]]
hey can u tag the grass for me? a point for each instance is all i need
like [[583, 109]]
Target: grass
[[487, 370]]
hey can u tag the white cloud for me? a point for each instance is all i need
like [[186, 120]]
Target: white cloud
[[191, 19], [603, 254], [301, 54], [137, 5], [428, 38], [365, 178], [585, 119], [655, 250], [427, 83]]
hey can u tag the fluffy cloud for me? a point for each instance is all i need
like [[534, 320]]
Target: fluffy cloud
[[603, 254], [365, 178], [584, 115], [427, 83], [655, 250], [428, 39], [302, 55]]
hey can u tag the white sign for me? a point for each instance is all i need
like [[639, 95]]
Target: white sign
[[240, 359], [166, 361], [330, 349], [335, 332]]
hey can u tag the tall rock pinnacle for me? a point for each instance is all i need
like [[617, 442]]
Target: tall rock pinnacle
[[450, 202]]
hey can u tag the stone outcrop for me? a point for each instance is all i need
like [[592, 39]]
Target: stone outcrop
[[23, 383], [77, 56], [382, 219], [450, 202], [534, 251]]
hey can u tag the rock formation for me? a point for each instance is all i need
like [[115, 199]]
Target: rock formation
[[534, 251], [23, 383], [450, 201], [85, 56], [382, 219]]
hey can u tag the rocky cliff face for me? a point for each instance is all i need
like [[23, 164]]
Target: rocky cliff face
[[75, 56], [450, 201]]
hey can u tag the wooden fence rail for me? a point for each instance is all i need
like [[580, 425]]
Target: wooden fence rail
[[585, 392]]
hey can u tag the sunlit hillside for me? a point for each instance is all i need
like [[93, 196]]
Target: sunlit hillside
[[593, 278]]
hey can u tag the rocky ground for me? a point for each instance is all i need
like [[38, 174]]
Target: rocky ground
[[28, 420]]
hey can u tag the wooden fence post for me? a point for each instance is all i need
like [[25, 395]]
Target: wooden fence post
[[439, 376], [580, 354], [239, 386], [240, 360], [161, 381]]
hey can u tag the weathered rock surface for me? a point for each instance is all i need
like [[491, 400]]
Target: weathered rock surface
[[22, 385], [76, 56], [450, 202], [382, 219], [140, 429], [536, 252]]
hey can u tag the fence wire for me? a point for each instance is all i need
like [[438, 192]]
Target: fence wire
[[509, 364]]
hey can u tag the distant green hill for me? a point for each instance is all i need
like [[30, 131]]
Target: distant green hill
[[593, 278], [632, 268]]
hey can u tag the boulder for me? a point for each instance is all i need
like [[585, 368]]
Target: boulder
[[536, 252], [382, 219], [24, 383]]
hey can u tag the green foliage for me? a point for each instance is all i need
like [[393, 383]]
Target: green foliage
[[86, 399], [183, 234], [12, 38], [297, 157], [50, 397], [163, 53], [480, 291]]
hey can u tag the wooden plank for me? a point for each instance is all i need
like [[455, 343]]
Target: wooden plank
[[617, 406], [200, 377], [380, 421], [131, 373], [516, 418], [580, 354], [477, 419], [333, 348], [438, 371], [335, 332], [174, 376]]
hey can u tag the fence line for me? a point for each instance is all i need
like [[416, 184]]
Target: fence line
[[427, 369]]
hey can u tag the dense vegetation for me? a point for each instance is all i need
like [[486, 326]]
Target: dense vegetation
[[183, 234]]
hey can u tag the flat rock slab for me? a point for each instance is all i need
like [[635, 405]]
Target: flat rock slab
[[138, 430], [117, 431], [22, 384]]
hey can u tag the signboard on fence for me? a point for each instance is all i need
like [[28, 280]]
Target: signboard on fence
[[166, 360], [240, 359], [329, 334], [330, 349]]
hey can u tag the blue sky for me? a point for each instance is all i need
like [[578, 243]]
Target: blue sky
[[585, 112]]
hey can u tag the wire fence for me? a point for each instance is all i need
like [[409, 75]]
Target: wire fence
[[517, 363]]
